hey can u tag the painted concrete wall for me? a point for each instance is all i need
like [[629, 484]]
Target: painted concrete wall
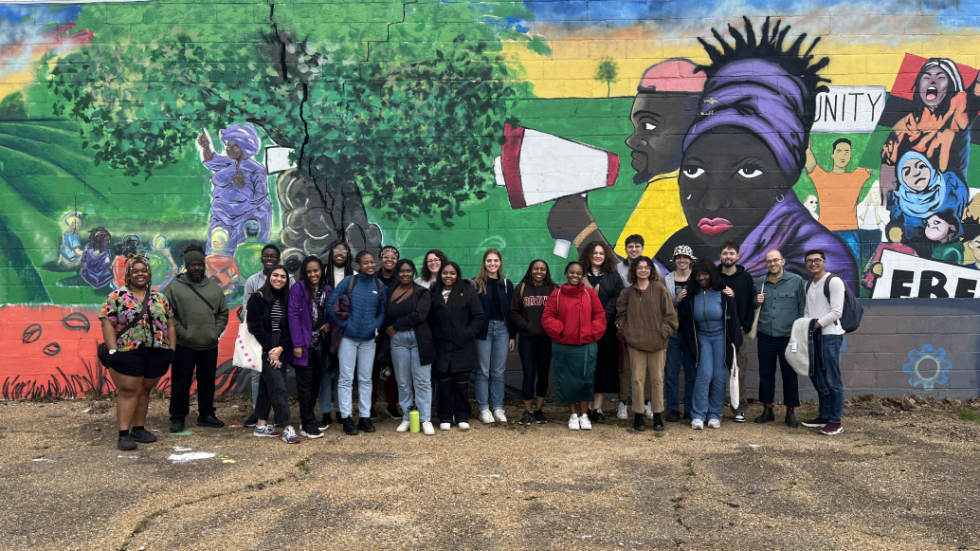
[[533, 127]]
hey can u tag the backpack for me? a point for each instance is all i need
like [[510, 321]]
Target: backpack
[[850, 318]]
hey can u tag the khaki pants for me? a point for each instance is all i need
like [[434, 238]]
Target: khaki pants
[[643, 365], [742, 357], [625, 373]]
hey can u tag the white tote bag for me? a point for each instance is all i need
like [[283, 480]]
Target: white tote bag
[[248, 351], [733, 379]]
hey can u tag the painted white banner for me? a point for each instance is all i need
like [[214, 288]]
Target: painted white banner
[[907, 276], [849, 109]]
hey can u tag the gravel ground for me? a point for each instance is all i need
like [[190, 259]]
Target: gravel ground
[[904, 475]]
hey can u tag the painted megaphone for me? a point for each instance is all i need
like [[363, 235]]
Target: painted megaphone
[[537, 168]]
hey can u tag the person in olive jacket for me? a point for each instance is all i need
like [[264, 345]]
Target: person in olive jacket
[[456, 317], [200, 317]]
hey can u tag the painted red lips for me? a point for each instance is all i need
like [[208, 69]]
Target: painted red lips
[[714, 226]]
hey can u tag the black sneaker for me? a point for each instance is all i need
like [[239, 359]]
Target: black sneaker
[[126, 443], [526, 419], [310, 431], [791, 421], [143, 436], [687, 415], [251, 421], [340, 418], [598, 417], [766, 417], [393, 412], [658, 423], [673, 416], [539, 417], [349, 427], [638, 423], [365, 424], [176, 425], [373, 413], [324, 422], [210, 421]]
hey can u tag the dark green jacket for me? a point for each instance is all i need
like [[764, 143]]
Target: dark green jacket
[[198, 327], [785, 302]]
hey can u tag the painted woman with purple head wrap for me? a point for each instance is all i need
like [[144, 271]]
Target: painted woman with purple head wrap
[[240, 185], [746, 150]]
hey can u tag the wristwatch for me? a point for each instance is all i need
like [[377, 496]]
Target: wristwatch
[[113, 351]]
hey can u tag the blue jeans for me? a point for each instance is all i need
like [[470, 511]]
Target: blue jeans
[[492, 353], [328, 387], [827, 380], [414, 379], [676, 357], [257, 376], [359, 356], [709, 387]]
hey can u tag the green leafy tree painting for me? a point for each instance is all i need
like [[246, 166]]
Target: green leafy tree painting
[[607, 72]]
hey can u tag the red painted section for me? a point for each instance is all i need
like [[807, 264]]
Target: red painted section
[[510, 162], [613, 169]]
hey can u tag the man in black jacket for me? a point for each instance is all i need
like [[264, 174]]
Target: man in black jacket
[[741, 283]]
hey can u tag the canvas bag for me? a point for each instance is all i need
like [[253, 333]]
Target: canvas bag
[[248, 351], [733, 379]]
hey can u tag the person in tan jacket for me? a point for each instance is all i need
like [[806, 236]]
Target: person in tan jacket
[[646, 319]]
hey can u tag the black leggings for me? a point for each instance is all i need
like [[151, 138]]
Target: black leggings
[[535, 361]]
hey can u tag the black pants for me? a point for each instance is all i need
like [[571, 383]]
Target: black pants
[[308, 386], [454, 397], [535, 361], [272, 391], [182, 375], [770, 350]]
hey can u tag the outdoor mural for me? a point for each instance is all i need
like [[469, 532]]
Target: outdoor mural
[[534, 127]]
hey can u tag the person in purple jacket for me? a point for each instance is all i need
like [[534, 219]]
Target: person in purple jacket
[[240, 185], [309, 328]]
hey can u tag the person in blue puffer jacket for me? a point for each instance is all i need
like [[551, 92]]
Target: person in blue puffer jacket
[[360, 325]]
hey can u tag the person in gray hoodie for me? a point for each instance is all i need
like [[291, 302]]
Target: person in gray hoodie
[[781, 300], [200, 317]]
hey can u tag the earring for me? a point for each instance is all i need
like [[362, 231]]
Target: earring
[[689, 197], [780, 198]]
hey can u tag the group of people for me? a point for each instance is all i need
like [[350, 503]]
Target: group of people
[[612, 324]]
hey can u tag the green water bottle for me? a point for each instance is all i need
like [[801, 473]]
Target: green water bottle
[[413, 420]]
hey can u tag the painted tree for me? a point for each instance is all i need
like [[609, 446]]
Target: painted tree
[[408, 133], [607, 72]]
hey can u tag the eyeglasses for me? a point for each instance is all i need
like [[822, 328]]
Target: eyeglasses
[[389, 257], [269, 257], [340, 251], [814, 260], [774, 261], [432, 261]]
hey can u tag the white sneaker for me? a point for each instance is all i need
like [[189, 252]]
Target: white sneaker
[[648, 412], [622, 412], [584, 423], [573, 422], [444, 426], [697, 424], [714, 423], [463, 426], [486, 416], [427, 429], [500, 415], [403, 427]]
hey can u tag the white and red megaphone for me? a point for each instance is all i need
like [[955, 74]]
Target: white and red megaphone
[[537, 168]]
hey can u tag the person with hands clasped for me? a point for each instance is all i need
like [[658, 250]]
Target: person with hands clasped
[[309, 332], [533, 345], [138, 329], [575, 320], [268, 322], [496, 338]]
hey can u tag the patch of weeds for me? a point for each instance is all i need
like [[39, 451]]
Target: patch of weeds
[[861, 445], [690, 468], [159, 394], [303, 466], [871, 434], [968, 414], [658, 434]]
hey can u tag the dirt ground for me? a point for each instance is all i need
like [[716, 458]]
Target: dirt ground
[[896, 479]]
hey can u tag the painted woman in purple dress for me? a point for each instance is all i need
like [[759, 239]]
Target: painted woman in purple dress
[[241, 187]]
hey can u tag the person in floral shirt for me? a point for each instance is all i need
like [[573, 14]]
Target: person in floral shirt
[[142, 353]]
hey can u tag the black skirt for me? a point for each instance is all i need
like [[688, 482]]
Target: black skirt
[[607, 363]]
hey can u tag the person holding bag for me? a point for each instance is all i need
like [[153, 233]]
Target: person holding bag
[[138, 332], [308, 329]]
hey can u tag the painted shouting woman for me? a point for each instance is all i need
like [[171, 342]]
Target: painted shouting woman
[[240, 185]]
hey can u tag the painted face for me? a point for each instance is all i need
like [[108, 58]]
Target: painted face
[[841, 155], [195, 270], [811, 205], [492, 264], [643, 270], [405, 275], [339, 255], [683, 262], [726, 191], [449, 276], [634, 250], [433, 263], [775, 262], [366, 266], [598, 257], [814, 263], [538, 272], [938, 229], [703, 279], [916, 174], [140, 275], [314, 273], [270, 258], [388, 260], [729, 257], [974, 246], [278, 279], [933, 87], [234, 152], [660, 121], [574, 275]]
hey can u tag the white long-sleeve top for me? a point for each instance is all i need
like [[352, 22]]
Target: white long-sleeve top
[[827, 313]]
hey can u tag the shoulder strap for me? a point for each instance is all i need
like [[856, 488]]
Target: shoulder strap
[[213, 311], [826, 288], [379, 285], [523, 284], [350, 286], [145, 312]]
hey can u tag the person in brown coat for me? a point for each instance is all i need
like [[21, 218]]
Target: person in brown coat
[[646, 319]]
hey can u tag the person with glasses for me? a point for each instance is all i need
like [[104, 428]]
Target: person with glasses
[[383, 368], [827, 331], [434, 261], [386, 274], [340, 263], [781, 301], [335, 270]]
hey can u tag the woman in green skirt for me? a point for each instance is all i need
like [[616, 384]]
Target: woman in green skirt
[[575, 319]]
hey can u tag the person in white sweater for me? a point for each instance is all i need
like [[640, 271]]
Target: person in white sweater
[[826, 376]]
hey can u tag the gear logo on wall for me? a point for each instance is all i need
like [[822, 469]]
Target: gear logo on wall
[[928, 367]]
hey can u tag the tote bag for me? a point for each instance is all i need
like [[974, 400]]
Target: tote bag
[[248, 351], [733, 379]]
